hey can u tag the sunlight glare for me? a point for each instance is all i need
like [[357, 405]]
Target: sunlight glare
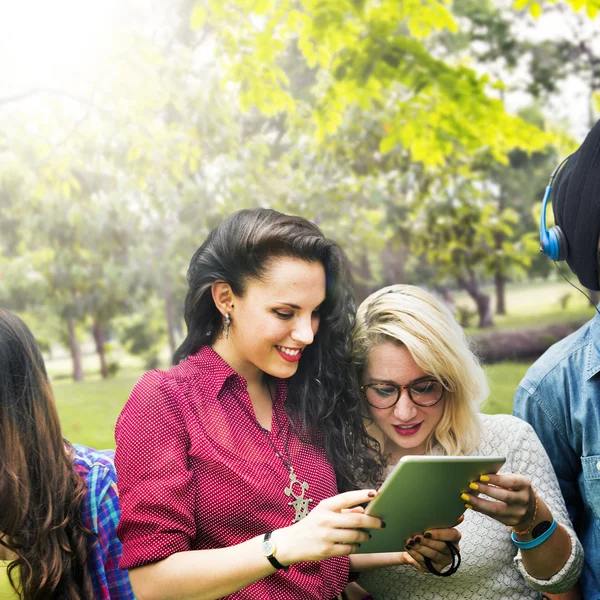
[[44, 44]]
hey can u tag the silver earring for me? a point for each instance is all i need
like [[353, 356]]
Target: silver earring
[[227, 324]]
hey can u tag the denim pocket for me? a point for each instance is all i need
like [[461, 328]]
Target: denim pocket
[[591, 482]]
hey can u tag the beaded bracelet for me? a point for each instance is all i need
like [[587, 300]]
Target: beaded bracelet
[[537, 541], [535, 509]]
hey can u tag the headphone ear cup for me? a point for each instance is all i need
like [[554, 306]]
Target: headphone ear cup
[[558, 248]]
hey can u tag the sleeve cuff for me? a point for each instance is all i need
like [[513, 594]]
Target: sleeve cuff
[[143, 551], [566, 578]]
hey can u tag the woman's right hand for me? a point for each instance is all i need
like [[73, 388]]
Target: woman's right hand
[[333, 528]]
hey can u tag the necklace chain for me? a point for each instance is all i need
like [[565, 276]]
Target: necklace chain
[[300, 503], [288, 463]]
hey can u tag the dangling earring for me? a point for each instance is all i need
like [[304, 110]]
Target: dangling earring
[[227, 324]]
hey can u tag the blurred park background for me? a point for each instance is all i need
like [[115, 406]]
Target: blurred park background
[[420, 134]]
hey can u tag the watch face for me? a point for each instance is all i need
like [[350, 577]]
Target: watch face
[[540, 528], [268, 548]]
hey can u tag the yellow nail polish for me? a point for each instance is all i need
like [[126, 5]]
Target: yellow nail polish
[[473, 486], [484, 478], [468, 506], [465, 497]]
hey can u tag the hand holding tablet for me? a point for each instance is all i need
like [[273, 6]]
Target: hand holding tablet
[[422, 493]]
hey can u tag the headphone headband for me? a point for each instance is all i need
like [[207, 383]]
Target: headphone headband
[[553, 242]]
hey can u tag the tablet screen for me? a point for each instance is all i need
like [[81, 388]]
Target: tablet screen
[[423, 492]]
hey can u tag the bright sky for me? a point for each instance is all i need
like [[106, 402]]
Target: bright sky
[[47, 43]]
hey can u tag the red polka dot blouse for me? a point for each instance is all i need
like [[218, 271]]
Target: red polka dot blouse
[[196, 471]]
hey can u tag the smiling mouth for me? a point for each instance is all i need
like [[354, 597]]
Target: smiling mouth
[[289, 351], [407, 430], [289, 354]]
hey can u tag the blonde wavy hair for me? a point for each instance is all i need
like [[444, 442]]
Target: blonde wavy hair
[[409, 316]]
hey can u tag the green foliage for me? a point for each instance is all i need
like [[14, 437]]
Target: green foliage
[[458, 229], [367, 55], [143, 334], [371, 118], [592, 7]]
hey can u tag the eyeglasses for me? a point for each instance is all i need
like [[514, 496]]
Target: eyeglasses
[[423, 392]]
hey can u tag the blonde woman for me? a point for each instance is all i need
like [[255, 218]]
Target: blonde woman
[[422, 388]]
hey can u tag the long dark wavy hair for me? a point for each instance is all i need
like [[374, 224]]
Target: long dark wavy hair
[[323, 398], [40, 492]]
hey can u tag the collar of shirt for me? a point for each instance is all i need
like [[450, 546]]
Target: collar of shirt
[[593, 352], [222, 373]]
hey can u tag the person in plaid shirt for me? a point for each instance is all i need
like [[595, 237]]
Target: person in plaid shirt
[[100, 514], [59, 504]]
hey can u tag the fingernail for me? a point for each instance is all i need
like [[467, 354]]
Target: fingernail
[[427, 535], [468, 506], [473, 486], [417, 540], [484, 478], [383, 524], [465, 497], [371, 494]]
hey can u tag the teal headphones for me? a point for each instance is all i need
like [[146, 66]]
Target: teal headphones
[[553, 242]]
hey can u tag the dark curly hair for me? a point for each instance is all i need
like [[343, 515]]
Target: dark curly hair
[[40, 493], [323, 398]]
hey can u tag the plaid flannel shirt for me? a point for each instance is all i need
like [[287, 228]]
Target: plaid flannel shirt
[[100, 514]]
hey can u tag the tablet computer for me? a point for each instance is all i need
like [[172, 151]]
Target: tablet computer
[[423, 492]]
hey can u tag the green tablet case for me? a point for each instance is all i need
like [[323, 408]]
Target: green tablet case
[[423, 492]]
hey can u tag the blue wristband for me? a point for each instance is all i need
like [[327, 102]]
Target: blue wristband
[[537, 541]]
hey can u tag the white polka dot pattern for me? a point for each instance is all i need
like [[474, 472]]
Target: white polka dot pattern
[[196, 472], [491, 567]]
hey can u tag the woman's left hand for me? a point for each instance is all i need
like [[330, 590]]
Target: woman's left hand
[[516, 500], [432, 544]]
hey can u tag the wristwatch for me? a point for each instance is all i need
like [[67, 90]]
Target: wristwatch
[[540, 528], [268, 550]]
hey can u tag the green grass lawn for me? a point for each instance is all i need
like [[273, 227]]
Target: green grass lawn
[[504, 379], [535, 304], [89, 410]]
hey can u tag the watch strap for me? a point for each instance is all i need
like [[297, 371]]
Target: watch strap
[[271, 558], [537, 541]]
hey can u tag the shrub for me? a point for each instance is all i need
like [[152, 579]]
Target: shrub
[[525, 344]]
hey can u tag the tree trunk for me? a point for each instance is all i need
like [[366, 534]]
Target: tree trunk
[[482, 301], [361, 286], [98, 333], [394, 263], [500, 282], [500, 276], [170, 323], [75, 351]]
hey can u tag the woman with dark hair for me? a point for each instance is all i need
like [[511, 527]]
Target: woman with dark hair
[[230, 462], [58, 501]]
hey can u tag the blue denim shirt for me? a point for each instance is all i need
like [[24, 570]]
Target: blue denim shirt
[[560, 397]]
